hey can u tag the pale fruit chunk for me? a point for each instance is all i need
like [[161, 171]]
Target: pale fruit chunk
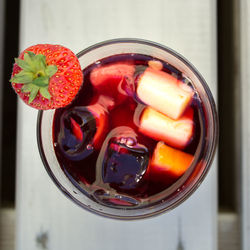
[[169, 161], [176, 133], [163, 92], [155, 64]]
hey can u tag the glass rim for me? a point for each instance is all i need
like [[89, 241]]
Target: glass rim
[[209, 158]]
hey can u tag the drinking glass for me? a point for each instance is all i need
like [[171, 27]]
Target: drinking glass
[[191, 179]]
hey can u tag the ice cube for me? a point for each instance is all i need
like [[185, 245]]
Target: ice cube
[[125, 162], [77, 130]]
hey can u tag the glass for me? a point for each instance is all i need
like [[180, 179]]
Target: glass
[[186, 185]]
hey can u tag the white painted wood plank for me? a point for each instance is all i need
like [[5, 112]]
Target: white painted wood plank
[[45, 218], [228, 227], [245, 91]]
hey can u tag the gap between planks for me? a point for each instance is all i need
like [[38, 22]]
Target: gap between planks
[[7, 228]]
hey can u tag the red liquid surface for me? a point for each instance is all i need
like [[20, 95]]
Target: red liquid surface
[[97, 139]]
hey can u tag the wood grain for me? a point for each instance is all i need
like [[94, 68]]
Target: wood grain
[[228, 225]]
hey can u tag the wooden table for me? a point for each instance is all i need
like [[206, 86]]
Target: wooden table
[[45, 218]]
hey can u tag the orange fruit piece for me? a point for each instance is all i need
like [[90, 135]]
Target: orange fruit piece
[[170, 161]]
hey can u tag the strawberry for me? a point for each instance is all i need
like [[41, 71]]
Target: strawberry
[[47, 76]]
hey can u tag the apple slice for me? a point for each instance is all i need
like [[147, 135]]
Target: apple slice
[[115, 80], [163, 92], [111, 77], [176, 133], [167, 161], [155, 64]]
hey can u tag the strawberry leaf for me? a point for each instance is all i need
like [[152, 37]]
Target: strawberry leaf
[[45, 93], [23, 64], [35, 75], [31, 54], [41, 81], [26, 88], [39, 61], [22, 77], [51, 70], [33, 93], [28, 59]]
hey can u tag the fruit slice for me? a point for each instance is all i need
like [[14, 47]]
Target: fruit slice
[[111, 74], [167, 161], [176, 133], [163, 92], [99, 107], [155, 64], [115, 80], [101, 124], [76, 129]]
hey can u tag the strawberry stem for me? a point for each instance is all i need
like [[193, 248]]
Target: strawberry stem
[[35, 75]]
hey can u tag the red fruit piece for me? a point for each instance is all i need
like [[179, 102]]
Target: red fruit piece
[[99, 108], [168, 162], [47, 76], [101, 124], [76, 129], [119, 202], [114, 80]]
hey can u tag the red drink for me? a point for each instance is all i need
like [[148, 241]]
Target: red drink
[[135, 135]]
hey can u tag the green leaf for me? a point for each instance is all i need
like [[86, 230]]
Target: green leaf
[[36, 72], [45, 93], [33, 94], [40, 62], [22, 77], [23, 64], [31, 54], [27, 58], [26, 88], [51, 70], [41, 81], [37, 62]]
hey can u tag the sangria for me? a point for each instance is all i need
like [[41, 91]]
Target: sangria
[[140, 135]]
